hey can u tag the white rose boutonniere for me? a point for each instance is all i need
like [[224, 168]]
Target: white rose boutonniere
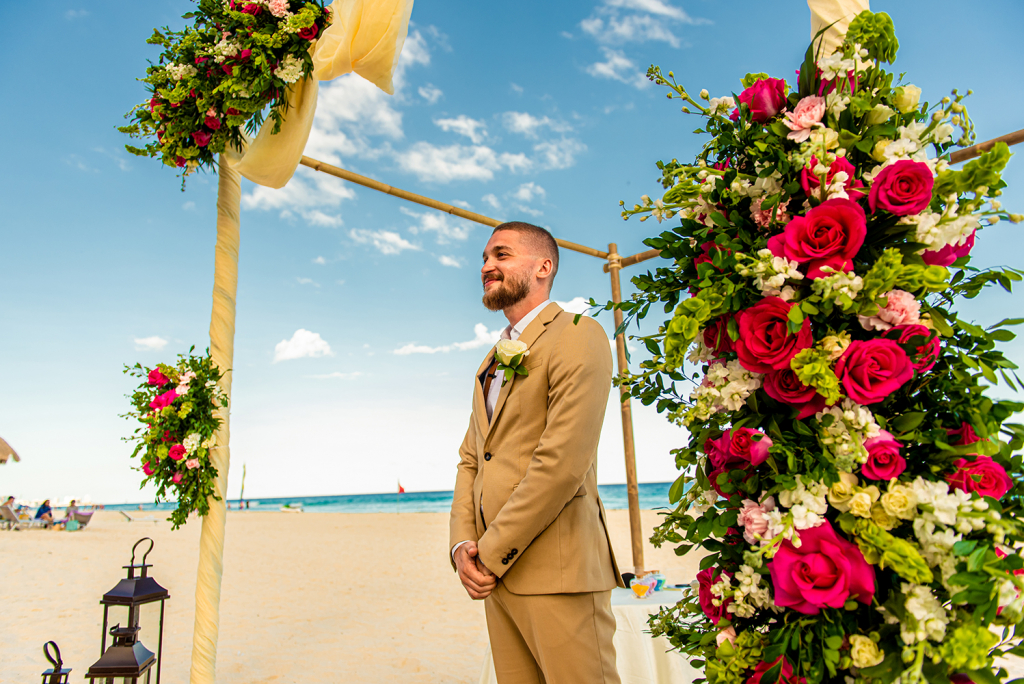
[[510, 355]]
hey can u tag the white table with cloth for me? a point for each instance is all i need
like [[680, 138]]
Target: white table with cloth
[[640, 658]]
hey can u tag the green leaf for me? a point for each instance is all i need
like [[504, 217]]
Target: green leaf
[[678, 488], [982, 676], [908, 421]]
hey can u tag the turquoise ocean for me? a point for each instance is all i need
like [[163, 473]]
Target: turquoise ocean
[[652, 495]]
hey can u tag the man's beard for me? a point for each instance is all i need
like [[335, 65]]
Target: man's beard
[[511, 290]]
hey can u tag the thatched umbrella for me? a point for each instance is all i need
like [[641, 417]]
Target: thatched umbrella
[[7, 452]]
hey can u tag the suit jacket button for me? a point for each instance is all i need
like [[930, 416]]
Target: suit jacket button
[[487, 456], [504, 561], [515, 551]]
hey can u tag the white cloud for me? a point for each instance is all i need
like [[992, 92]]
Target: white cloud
[[303, 344], [528, 191], [76, 14], [636, 21], [306, 191], [458, 162], [491, 200], [559, 154], [320, 260], [449, 261], [307, 281], [446, 226], [575, 305], [656, 7], [153, 343], [189, 206], [482, 338], [516, 88], [336, 376], [618, 67], [430, 93], [386, 241], [528, 125], [473, 129]]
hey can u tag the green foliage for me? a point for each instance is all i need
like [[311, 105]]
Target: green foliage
[[874, 31]]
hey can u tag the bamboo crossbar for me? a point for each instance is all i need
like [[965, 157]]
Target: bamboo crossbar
[[366, 182], [977, 150]]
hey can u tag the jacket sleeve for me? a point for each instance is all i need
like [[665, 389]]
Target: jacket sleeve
[[579, 377], [462, 525]]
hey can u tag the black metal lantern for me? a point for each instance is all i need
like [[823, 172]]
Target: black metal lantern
[[127, 660], [58, 674]]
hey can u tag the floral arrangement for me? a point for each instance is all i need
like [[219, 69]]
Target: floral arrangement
[[854, 493], [177, 407], [220, 74]]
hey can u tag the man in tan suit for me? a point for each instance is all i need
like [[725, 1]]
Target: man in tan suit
[[528, 532]]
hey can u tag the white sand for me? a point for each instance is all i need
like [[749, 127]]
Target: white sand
[[306, 597]]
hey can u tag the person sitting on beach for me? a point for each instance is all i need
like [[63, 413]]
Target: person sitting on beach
[[45, 512], [10, 504], [69, 514]]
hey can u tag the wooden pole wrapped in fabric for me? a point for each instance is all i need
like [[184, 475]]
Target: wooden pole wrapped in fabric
[[222, 345], [366, 182], [632, 491]]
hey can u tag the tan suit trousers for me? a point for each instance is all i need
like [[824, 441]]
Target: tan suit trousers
[[552, 638]]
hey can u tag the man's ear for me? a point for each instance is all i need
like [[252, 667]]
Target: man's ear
[[545, 269]]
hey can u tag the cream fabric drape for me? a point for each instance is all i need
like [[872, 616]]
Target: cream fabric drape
[[365, 37], [837, 12]]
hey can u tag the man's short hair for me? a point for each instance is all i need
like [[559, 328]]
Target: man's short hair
[[540, 240]]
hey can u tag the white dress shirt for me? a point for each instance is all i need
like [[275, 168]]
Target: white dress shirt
[[511, 332]]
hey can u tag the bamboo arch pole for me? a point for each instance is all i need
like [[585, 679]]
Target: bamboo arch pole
[[222, 346]]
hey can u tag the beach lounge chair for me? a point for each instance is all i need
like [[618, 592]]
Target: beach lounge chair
[[11, 521], [82, 518], [132, 518]]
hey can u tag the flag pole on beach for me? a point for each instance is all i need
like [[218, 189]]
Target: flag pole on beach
[[401, 491]]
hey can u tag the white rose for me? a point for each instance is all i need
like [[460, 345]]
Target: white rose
[[509, 349], [836, 344], [841, 492], [860, 504], [900, 501], [879, 114], [864, 652], [907, 98]]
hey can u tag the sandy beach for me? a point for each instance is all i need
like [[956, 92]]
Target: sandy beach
[[328, 597]]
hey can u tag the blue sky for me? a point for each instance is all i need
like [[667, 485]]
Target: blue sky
[[530, 110]]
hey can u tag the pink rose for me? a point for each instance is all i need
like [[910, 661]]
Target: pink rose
[[765, 98], [785, 387], [830, 234], [950, 253], [243, 55], [900, 309], [870, 371], [785, 674], [765, 343], [982, 475], [960, 678], [811, 182], [227, 68], [165, 399], [903, 189], [964, 435], [705, 579], [748, 446], [192, 463], [157, 378], [716, 336], [179, 161], [808, 112], [176, 453], [825, 572], [202, 138], [212, 122], [176, 478], [252, 9], [147, 468], [763, 218], [753, 518], [884, 460], [928, 346], [309, 33]]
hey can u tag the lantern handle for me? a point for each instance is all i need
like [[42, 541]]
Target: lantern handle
[[54, 660], [145, 555]]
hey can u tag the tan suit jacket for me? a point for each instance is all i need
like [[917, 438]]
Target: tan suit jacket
[[526, 489]]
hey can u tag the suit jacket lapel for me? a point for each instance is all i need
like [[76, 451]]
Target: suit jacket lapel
[[479, 401], [529, 336]]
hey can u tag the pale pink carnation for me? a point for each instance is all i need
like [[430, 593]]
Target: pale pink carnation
[[192, 463], [278, 8], [727, 634], [764, 218], [900, 309], [753, 518], [806, 116]]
